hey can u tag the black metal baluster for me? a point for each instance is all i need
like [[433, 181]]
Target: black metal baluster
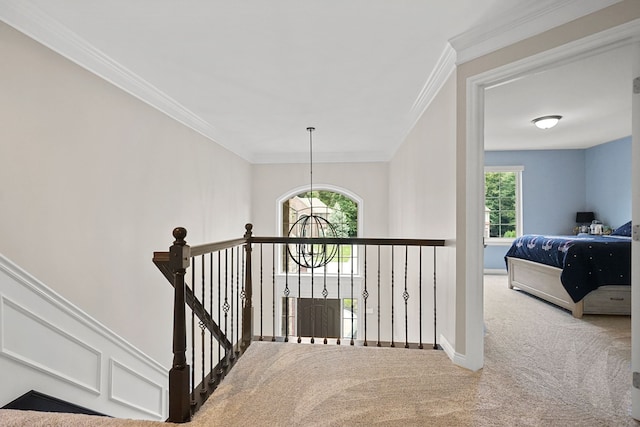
[[193, 327], [435, 339], [225, 306], [286, 297], [273, 290], [219, 304], [420, 296], [325, 293], [298, 320], [352, 341], [393, 267], [243, 293], [379, 343], [313, 303], [202, 327], [341, 303], [405, 295], [211, 380], [238, 275], [233, 275], [365, 295], [261, 283]]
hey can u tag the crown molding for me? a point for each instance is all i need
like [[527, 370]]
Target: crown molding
[[444, 67], [521, 23], [38, 25], [324, 157], [439, 74]]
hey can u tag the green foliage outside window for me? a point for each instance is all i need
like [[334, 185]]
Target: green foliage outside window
[[500, 199], [345, 214]]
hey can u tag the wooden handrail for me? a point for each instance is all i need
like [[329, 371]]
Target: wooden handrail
[[215, 247], [349, 241]]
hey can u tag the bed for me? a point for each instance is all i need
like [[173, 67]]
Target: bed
[[585, 274]]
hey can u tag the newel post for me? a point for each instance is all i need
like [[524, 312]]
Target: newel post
[[179, 375], [247, 308]]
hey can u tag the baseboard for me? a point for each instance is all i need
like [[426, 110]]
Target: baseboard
[[457, 358], [496, 271]]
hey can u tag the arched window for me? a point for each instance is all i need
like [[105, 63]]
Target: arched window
[[323, 213], [338, 313]]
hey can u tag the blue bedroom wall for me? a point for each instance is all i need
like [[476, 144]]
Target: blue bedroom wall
[[558, 183], [608, 181], [553, 189]]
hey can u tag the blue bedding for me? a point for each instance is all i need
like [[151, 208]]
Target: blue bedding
[[587, 261]]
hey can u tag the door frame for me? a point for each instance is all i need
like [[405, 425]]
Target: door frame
[[625, 34], [635, 244]]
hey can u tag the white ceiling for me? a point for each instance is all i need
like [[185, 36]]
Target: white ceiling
[[252, 75], [593, 96]]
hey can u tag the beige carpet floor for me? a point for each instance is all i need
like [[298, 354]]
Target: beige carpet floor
[[542, 368]]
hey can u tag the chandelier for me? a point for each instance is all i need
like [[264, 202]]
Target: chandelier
[[312, 255]]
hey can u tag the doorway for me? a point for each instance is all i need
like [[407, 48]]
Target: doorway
[[615, 37], [319, 317]]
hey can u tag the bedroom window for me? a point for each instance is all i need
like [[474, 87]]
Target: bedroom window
[[503, 201]]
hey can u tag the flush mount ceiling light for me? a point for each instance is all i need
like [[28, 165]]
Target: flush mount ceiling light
[[546, 122]]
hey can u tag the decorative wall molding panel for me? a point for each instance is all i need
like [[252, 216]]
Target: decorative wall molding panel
[[65, 356], [49, 345], [129, 388]]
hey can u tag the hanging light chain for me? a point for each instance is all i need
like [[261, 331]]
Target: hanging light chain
[[311, 129]]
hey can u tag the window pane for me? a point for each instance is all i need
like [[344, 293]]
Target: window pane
[[338, 216], [500, 204]]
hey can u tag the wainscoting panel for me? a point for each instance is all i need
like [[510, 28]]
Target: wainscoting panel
[[49, 345], [131, 389], [22, 337]]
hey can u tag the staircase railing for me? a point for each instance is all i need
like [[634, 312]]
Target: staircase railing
[[369, 291], [218, 282]]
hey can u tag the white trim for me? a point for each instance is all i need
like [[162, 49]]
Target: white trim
[[475, 86], [474, 220], [457, 358], [517, 168], [443, 69], [40, 289], [492, 241], [521, 22], [495, 271], [37, 24], [58, 321], [582, 48], [320, 157], [499, 241], [114, 365], [635, 244], [55, 332]]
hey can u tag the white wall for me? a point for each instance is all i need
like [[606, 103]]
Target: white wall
[[94, 181], [422, 192], [271, 182], [367, 180]]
